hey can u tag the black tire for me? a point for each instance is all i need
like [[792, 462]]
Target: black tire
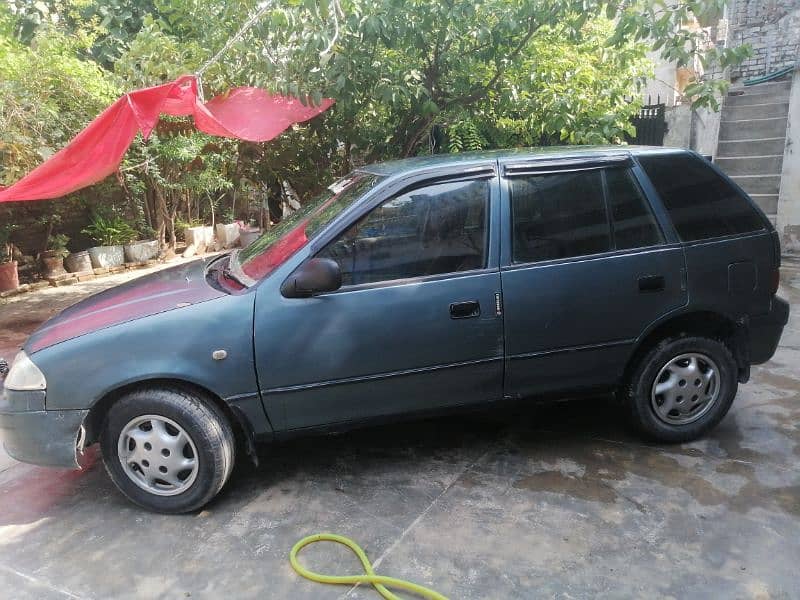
[[207, 427], [637, 394]]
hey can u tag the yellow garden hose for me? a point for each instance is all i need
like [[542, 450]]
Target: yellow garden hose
[[379, 582]]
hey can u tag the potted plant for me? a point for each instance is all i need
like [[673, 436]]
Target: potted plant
[[52, 258], [200, 236], [110, 233], [144, 249], [227, 232], [78, 262], [9, 277]]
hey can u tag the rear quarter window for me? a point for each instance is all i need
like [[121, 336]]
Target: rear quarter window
[[701, 204]]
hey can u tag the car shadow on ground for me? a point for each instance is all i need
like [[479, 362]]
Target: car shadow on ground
[[591, 434], [365, 454], [29, 493]]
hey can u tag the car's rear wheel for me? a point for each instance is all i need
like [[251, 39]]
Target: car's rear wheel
[[682, 388], [169, 450]]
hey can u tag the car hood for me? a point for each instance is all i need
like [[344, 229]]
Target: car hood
[[170, 289]]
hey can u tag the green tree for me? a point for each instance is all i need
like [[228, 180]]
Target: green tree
[[575, 91], [465, 74], [47, 93], [495, 71], [113, 22]]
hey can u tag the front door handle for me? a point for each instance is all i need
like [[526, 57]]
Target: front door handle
[[652, 283], [465, 310]]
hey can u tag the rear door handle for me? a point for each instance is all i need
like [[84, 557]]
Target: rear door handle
[[465, 310], [652, 283]]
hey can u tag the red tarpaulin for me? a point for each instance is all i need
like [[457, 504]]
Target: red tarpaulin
[[245, 113]]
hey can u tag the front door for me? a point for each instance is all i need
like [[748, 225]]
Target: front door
[[587, 269], [414, 326]]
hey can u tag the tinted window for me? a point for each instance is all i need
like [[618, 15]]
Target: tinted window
[[558, 216], [634, 224], [701, 203], [427, 231]]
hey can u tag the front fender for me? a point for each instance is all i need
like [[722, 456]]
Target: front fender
[[174, 345]]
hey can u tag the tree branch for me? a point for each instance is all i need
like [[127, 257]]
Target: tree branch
[[479, 93]]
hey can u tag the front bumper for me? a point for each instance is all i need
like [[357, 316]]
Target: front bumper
[[765, 331], [31, 434]]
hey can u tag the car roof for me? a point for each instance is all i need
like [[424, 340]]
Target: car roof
[[406, 165]]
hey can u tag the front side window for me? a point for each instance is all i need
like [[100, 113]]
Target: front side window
[[429, 230], [634, 223], [278, 243], [702, 204], [558, 215]]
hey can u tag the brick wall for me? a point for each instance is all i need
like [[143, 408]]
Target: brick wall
[[772, 28]]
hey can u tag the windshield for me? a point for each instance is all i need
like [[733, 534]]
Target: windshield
[[278, 243]]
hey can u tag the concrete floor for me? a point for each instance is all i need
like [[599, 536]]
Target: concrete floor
[[556, 501]]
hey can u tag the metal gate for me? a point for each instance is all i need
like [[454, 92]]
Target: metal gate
[[651, 126]]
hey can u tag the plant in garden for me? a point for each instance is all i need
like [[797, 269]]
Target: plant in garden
[[181, 226], [50, 222], [58, 243], [145, 232], [177, 169], [109, 230], [6, 252]]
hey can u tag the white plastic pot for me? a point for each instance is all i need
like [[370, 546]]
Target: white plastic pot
[[228, 234], [136, 252], [104, 257], [199, 236]]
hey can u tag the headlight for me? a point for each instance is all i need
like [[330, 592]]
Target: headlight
[[24, 375]]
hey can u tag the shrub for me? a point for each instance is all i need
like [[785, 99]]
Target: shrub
[[109, 231], [58, 243]]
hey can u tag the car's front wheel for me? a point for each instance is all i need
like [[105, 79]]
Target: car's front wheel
[[169, 450], [682, 388]]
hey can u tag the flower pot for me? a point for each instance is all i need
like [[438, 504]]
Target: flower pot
[[9, 278], [227, 234], [104, 257], [136, 252], [248, 236], [51, 263], [78, 262], [199, 236]]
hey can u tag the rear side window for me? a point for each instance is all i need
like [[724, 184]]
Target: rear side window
[[702, 204], [558, 216], [634, 224]]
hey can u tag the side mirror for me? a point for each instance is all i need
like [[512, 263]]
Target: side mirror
[[315, 276]]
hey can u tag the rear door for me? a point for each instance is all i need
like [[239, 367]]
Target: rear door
[[586, 267], [731, 249]]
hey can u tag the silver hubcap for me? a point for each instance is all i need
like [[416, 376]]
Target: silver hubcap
[[158, 455], [685, 389]]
